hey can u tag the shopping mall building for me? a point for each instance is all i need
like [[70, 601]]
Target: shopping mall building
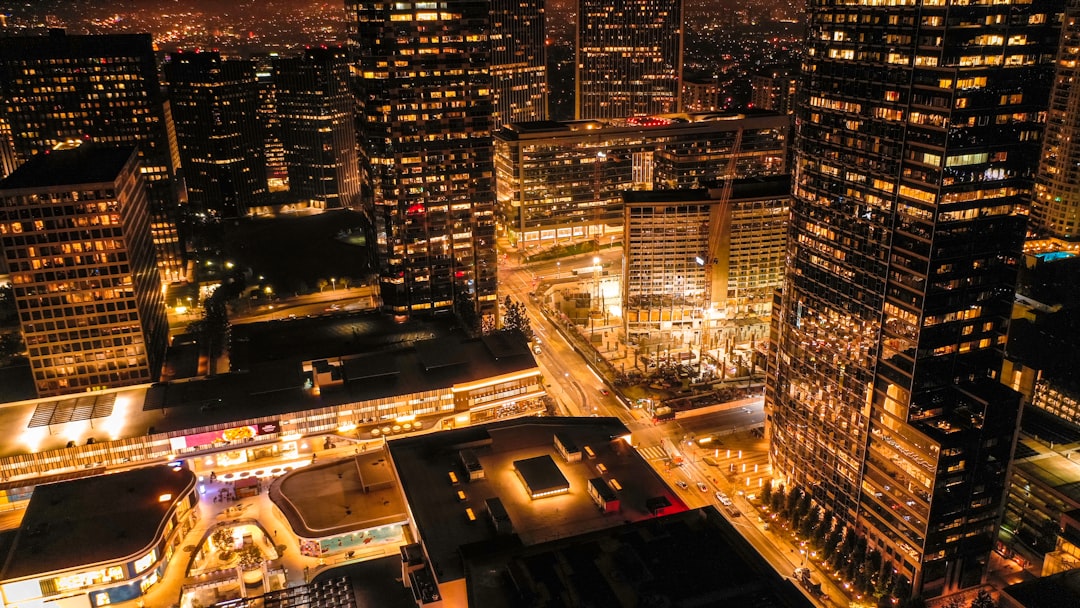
[[274, 411]]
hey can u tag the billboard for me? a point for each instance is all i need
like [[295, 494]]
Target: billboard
[[238, 434]]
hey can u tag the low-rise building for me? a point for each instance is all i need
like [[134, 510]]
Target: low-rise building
[[105, 539]]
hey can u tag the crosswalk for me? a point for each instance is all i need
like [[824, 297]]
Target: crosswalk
[[653, 452]]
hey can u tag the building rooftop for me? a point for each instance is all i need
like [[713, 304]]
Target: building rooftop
[[89, 163], [693, 558], [661, 124], [423, 464], [269, 387], [339, 496], [94, 519], [1053, 591], [1056, 469], [742, 189]]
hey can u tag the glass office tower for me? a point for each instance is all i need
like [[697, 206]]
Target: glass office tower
[[917, 136], [424, 90]]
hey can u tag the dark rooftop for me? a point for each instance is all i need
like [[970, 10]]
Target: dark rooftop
[[423, 463], [89, 163], [693, 558], [94, 519], [742, 189], [541, 474], [1054, 591]]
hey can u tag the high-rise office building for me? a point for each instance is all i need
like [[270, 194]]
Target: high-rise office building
[[214, 105], [424, 87], [103, 88], [318, 131], [277, 172], [8, 162], [563, 181], [518, 61], [75, 231], [629, 57], [1055, 209], [918, 130]]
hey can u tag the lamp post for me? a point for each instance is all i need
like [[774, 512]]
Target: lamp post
[[333, 283]]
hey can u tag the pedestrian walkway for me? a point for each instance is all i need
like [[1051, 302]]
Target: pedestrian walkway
[[255, 510], [653, 452]]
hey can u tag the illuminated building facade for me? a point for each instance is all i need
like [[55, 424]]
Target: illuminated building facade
[[8, 162], [918, 130], [560, 181], [214, 106], [127, 528], [671, 288], [774, 89], [74, 229], [269, 122], [318, 132], [629, 57], [1055, 208], [518, 61], [700, 95], [104, 88], [424, 90]]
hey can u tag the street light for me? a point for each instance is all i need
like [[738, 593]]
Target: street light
[[333, 283]]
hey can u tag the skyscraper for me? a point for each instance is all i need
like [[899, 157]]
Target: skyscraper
[[518, 61], [424, 88], [214, 105], [1055, 209], [918, 126], [629, 57], [318, 132], [103, 88], [74, 230]]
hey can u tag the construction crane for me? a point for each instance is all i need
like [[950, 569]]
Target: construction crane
[[720, 221]]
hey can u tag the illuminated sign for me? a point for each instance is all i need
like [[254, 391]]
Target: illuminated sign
[[225, 437]]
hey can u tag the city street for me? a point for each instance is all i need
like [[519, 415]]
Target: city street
[[670, 447]]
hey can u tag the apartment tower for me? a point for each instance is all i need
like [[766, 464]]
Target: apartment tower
[[1055, 209], [103, 88], [424, 89], [917, 132], [518, 61], [629, 57], [75, 232]]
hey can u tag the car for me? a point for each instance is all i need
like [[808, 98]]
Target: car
[[605, 392], [724, 500], [536, 349], [701, 486], [682, 484]]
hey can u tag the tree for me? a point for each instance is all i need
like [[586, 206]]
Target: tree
[[321, 284], [810, 519], [983, 599], [516, 319], [832, 541], [466, 312], [777, 500], [250, 557], [766, 492], [792, 501]]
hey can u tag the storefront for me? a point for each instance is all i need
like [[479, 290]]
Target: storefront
[[352, 541], [233, 446]]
